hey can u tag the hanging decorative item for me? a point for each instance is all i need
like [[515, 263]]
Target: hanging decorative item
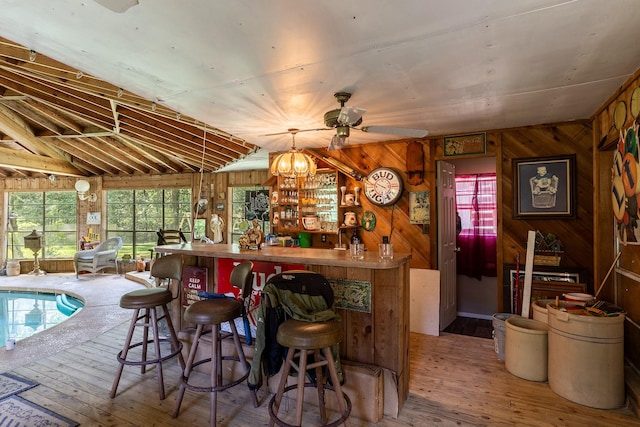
[[368, 221], [415, 163], [625, 189]]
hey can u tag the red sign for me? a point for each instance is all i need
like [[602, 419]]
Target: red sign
[[194, 280], [262, 272]]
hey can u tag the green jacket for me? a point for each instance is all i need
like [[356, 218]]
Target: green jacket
[[299, 295]]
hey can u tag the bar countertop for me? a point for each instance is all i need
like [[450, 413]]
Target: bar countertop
[[331, 257]]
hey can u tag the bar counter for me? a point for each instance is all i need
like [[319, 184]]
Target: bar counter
[[372, 297]]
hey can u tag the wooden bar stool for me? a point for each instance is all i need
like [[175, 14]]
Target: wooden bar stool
[[303, 338], [214, 312], [149, 300]]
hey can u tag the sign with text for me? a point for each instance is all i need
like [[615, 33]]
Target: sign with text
[[194, 280]]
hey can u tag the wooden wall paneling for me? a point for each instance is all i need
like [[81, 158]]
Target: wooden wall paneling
[[619, 288], [406, 237], [542, 141]]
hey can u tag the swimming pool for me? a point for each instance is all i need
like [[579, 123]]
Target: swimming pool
[[23, 313]]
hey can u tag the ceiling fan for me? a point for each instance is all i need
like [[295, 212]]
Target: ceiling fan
[[344, 119]]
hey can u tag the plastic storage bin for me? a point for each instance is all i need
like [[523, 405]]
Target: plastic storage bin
[[498, 320]]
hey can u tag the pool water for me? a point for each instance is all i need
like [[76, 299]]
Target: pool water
[[23, 314]]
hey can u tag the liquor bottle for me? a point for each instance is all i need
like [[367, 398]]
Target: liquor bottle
[[355, 237]]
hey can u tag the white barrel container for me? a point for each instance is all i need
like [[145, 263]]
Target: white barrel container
[[498, 320], [539, 309], [525, 348], [586, 358]]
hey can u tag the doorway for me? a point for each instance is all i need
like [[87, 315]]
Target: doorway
[[475, 298]]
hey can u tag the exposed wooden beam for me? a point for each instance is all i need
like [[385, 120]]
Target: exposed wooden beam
[[12, 125], [33, 162]]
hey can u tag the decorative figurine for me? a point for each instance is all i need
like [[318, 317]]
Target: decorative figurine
[[253, 237], [357, 200]]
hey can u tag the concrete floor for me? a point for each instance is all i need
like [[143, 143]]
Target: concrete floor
[[101, 295]]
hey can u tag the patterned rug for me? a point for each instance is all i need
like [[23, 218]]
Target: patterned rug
[[12, 384], [15, 411]]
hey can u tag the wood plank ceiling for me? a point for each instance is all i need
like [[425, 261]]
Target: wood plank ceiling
[[57, 120]]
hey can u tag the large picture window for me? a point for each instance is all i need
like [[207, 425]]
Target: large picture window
[[52, 214], [137, 215]]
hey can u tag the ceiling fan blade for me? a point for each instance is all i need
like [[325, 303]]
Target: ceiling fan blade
[[296, 131], [118, 6], [391, 130]]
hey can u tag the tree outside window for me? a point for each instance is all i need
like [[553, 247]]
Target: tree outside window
[[52, 214], [137, 215], [247, 204]]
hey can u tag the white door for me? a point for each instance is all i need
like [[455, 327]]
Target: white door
[[447, 249]]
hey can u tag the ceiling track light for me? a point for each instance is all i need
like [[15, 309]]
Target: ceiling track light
[[32, 55]]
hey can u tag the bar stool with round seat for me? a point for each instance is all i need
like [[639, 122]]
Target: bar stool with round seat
[[303, 338], [150, 300], [213, 313]]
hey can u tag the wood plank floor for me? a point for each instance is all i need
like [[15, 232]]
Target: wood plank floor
[[456, 380]]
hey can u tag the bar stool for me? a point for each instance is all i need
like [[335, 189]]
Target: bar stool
[[214, 312], [303, 338], [149, 300]]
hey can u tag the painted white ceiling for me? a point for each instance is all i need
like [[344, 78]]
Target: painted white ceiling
[[254, 67]]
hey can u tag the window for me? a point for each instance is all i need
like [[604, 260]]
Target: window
[[137, 215], [476, 204], [52, 214], [247, 204]]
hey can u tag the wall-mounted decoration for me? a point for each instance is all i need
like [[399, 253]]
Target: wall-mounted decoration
[[419, 207], [368, 221], [93, 218], [544, 187], [625, 188], [460, 145], [415, 163], [220, 206]]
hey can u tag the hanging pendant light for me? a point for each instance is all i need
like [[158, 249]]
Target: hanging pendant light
[[293, 163]]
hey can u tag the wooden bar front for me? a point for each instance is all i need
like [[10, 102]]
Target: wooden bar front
[[379, 337]]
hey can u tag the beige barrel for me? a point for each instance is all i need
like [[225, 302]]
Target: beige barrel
[[586, 358], [539, 309], [526, 348]]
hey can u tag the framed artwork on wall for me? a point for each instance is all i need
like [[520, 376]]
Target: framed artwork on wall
[[460, 145], [544, 187]]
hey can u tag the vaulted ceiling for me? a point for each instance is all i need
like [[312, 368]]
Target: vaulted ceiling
[[121, 87]]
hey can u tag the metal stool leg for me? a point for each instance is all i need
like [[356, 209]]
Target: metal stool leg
[[125, 350], [187, 370]]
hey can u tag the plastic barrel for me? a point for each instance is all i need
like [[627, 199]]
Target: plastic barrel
[[526, 348], [498, 320], [586, 358]]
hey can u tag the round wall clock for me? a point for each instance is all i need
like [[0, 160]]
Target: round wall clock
[[383, 186]]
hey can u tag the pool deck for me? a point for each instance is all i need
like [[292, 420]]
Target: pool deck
[[101, 295]]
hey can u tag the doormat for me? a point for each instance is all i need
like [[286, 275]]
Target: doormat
[[15, 411], [12, 384]]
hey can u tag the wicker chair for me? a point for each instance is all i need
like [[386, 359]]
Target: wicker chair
[[102, 256]]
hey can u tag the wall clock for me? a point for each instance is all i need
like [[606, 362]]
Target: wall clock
[[383, 186]]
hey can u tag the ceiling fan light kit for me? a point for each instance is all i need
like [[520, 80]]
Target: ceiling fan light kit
[[345, 118]]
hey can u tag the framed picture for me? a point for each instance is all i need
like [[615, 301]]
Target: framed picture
[[460, 145], [544, 187], [419, 206]]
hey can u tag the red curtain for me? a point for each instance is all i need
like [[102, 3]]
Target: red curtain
[[477, 211]]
